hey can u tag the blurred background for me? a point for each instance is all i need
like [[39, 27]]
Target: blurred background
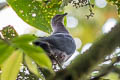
[[85, 31]]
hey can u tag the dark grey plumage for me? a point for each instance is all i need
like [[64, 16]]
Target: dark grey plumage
[[59, 43]]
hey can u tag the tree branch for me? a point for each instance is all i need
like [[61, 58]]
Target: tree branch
[[107, 68], [85, 63], [3, 5]]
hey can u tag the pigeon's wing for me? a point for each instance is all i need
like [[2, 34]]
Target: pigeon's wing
[[43, 43], [62, 42]]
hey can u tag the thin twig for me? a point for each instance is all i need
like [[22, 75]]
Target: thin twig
[[54, 57], [3, 5], [57, 62]]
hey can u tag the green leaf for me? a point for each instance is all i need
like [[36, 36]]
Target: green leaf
[[5, 51], [26, 38], [37, 13], [32, 66], [11, 67], [37, 54], [9, 32]]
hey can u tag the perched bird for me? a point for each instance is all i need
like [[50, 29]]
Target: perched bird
[[59, 44]]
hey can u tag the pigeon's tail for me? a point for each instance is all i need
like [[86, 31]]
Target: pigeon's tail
[[44, 45]]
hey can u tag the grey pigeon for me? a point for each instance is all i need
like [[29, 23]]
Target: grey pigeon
[[60, 43]]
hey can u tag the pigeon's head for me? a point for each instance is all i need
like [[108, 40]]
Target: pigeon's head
[[58, 18]]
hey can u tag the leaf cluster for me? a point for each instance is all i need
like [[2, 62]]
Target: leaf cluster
[[116, 3], [12, 48]]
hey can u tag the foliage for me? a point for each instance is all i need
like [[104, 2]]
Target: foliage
[[32, 66], [9, 32], [117, 3], [37, 13], [5, 51], [36, 53], [12, 42], [11, 66], [18, 49], [79, 4]]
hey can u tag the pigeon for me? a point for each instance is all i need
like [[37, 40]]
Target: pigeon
[[60, 45]]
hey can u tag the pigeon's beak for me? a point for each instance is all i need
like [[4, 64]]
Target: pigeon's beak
[[64, 14], [60, 18]]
